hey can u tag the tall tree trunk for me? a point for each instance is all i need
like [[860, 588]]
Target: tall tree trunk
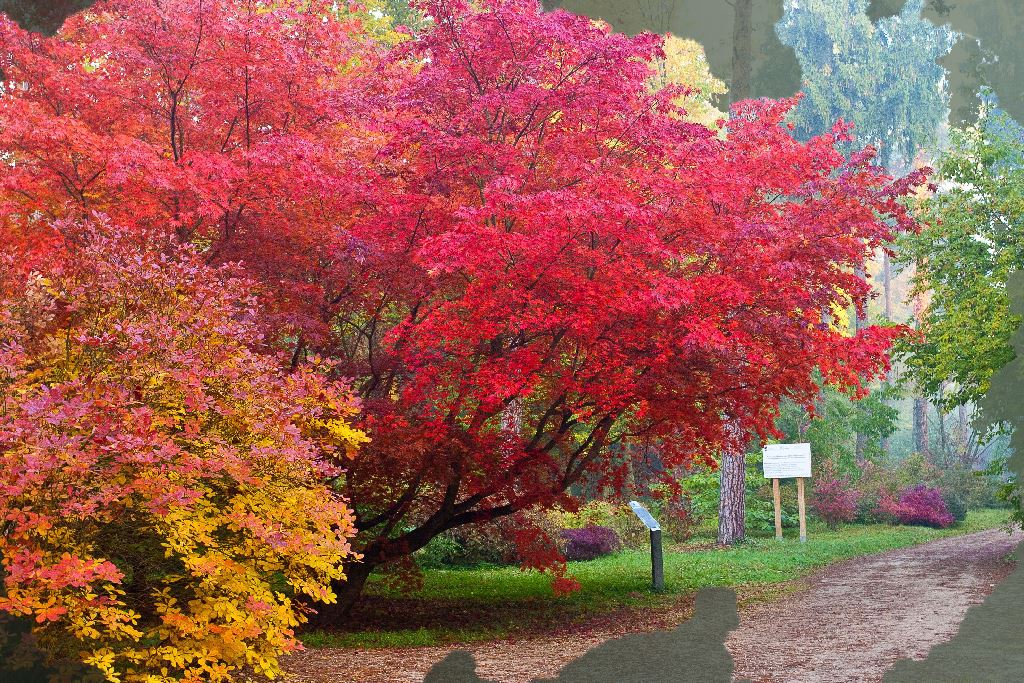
[[943, 441], [742, 50], [732, 474], [860, 448], [887, 301], [887, 285], [921, 442], [963, 435], [860, 322], [731, 498]]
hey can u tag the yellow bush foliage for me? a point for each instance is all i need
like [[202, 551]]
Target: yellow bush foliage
[[164, 487]]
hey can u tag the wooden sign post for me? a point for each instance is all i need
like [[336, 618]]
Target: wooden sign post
[[777, 497], [784, 461], [657, 559], [802, 508]]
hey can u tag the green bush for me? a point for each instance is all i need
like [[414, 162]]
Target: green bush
[[614, 515], [955, 504], [760, 506], [701, 489], [975, 489], [443, 550]]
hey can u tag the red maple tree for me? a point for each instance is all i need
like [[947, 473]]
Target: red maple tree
[[524, 259]]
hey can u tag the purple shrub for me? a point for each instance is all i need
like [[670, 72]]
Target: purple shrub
[[835, 501], [920, 505], [590, 542]]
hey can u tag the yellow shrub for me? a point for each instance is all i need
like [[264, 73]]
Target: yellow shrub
[[164, 489]]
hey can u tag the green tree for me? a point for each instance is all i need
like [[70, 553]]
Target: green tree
[[1002, 408], [882, 77], [971, 242], [833, 430]]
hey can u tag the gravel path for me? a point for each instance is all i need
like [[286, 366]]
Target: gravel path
[[849, 622], [855, 619]]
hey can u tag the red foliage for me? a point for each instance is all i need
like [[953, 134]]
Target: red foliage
[[223, 121], [520, 255], [921, 505], [835, 500]]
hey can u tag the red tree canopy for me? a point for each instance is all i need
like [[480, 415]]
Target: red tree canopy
[[522, 256]]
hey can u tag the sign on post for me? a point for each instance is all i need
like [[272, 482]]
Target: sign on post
[[645, 516], [783, 461], [657, 559]]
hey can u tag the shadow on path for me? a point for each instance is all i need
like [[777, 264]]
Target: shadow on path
[[694, 651], [988, 647]]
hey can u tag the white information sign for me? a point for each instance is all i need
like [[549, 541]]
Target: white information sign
[[646, 517], [784, 460]]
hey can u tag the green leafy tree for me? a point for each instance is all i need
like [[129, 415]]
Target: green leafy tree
[[883, 77], [1002, 408], [971, 242], [832, 431]]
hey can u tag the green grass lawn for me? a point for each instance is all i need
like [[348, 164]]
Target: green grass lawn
[[460, 605]]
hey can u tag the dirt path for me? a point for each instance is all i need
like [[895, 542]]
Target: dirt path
[[849, 622], [856, 618]]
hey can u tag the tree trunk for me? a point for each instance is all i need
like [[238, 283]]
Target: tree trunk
[[861, 447], [887, 299], [963, 435], [943, 441], [732, 476], [348, 591], [921, 442], [731, 503], [731, 498], [921, 427], [742, 51], [887, 285], [860, 322]]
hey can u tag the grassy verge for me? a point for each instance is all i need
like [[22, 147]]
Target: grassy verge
[[463, 605]]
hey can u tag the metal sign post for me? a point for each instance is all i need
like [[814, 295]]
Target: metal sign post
[[657, 558]]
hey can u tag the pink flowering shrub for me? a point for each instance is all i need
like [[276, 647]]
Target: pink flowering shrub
[[920, 505], [835, 500]]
